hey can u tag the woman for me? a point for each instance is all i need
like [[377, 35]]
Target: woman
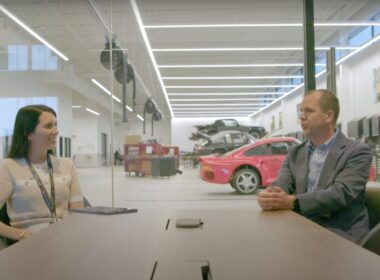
[[37, 187]]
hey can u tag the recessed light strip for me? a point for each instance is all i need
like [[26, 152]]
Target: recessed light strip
[[219, 107], [128, 108], [235, 78], [105, 89], [361, 48], [250, 86], [213, 105], [247, 49], [320, 24], [212, 112], [225, 94], [370, 42], [76, 106], [140, 117], [222, 99], [151, 55], [92, 112], [215, 109], [236, 65], [31, 32]]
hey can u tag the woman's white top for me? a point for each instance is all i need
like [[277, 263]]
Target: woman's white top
[[25, 205]]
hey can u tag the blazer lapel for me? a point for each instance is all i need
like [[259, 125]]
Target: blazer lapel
[[331, 160], [302, 172]]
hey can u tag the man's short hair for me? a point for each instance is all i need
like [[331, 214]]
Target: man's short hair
[[327, 101]]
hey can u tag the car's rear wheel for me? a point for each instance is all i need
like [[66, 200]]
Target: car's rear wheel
[[246, 181]]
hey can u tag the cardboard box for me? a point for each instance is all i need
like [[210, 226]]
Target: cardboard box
[[146, 167], [131, 139], [133, 167]]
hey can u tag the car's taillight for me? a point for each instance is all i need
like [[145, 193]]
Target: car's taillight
[[207, 168], [208, 172]]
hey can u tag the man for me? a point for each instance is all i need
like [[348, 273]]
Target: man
[[323, 178]]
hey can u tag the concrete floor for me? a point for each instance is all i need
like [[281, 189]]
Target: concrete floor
[[179, 191], [176, 192]]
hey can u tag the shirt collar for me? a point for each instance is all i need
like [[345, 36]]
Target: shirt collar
[[324, 146]]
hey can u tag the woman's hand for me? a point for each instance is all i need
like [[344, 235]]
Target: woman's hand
[[24, 234]]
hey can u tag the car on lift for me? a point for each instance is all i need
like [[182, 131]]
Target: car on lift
[[231, 124], [248, 167], [222, 142]]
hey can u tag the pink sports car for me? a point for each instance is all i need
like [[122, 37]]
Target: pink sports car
[[250, 166]]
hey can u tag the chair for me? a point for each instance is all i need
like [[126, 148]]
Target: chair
[[371, 240], [4, 242], [373, 205]]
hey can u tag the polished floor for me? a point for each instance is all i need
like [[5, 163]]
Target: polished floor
[[176, 192], [184, 191]]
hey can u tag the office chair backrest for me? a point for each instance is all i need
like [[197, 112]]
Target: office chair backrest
[[372, 240], [373, 205], [4, 242]]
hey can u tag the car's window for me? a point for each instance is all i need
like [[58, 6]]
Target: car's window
[[238, 138], [230, 123], [261, 150], [219, 140], [279, 148]]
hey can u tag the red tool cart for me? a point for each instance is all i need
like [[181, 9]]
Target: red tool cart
[[171, 151], [132, 158], [138, 158]]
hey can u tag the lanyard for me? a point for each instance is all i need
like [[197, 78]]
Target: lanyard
[[50, 202]]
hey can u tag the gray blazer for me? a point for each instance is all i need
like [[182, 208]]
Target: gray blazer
[[338, 203]]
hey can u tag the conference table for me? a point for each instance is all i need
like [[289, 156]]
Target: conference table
[[230, 244]]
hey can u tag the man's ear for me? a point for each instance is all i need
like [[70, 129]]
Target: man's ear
[[330, 116]]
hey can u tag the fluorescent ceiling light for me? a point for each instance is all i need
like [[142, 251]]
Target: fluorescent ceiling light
[[361, 48], [105, 89], [251, 86], [213, 105], [140, 117], [129, 108], [247, 49], [149, 48], [333, 24], [221, 107], [76, 106], [370, 42], [235, 78], [202, 115], [236, 65], [31, 32], [321, 24], [222, 99], [92, 111], [225, 94], [223, 25], [211, 109]]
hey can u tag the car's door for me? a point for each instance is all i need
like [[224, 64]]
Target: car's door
[[260, 157], [279, 150], [238, 140]]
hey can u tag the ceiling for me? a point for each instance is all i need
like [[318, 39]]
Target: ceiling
[[192, 71]]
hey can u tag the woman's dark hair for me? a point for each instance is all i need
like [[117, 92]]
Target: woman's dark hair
[[27, 119]]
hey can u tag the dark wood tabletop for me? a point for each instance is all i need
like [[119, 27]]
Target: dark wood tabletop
[[232, 244]]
